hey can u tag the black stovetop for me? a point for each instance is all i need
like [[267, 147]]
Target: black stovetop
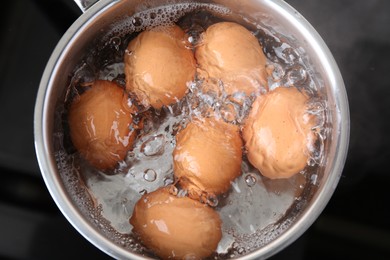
[[355, 224]]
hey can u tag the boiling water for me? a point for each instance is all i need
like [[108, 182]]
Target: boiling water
[[255, 210]]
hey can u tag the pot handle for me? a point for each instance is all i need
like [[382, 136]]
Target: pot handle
[[84, 5]]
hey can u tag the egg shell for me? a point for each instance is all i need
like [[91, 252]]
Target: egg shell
[[231, 53], [99, 121], [207, 156], [159, 63], [278, 133], [176, 227]]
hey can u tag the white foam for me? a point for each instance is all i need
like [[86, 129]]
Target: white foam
[[160, 16]]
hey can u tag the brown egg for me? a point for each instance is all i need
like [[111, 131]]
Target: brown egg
[[207, 156], [100, 121], [278, 133], [158, 66], [176, 228], [231, 53]]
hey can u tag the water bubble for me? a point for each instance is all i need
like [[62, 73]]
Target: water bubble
[[312, 161], [137, 21], [241, 250], [250, 180], [167, 181], [314, 179], [150, 175], [289, 56], [207, 198], [153, 146], [143, 192], [182, 193], [228, 112], [212, 200], [170, 109], [195, 33], [116, 41], [277, 72], [112, 71], [297, 75], [239, 97]]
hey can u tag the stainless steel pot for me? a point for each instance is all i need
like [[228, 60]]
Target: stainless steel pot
[[97, 18]]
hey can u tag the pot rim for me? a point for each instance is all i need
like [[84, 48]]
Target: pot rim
[[57, 190]]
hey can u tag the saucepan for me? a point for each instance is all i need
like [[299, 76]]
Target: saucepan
[[260, 216]]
